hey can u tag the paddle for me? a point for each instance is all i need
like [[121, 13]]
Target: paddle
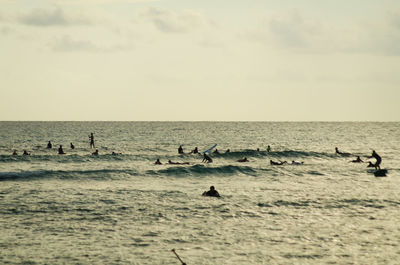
[[183, 263]]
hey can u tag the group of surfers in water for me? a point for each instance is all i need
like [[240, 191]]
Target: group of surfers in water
[[208, 159], [72, 146]]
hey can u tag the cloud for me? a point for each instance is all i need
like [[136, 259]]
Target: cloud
[[307, 34], [52, 17], [169, 21], [67, 44]]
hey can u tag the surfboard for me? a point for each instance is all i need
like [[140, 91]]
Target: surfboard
[[380, 173], [209, 149]]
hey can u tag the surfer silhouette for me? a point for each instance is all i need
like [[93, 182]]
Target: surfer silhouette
[[212, 192], [243, 160], [228, 151], [26, 153], [280, 163], [15, 153], [341, 153], [180, 150], [206, 158], [158, 162], [49, 145], [268, 148], [195, 151], [216, 151], [72, 146], [378, 159], [357, 160], [91, 138], [60, 150], [96, 153]]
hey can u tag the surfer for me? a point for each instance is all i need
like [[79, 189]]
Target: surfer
[[60, 150], [91, 138], [378, 159], [370, 164], [26, 153], [341, 153], [216, 151], [158, 162], [194, 151], [212, 192], [243, 160], [15, 153], [358, 160], [206, 158], [49, 145], [72, 146], [280, 163], [297, 163], [228, 151], [180, 150], [268, 148], [96, 153]]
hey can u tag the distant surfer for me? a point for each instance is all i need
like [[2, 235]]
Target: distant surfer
[[378, 159], [26, 153], [207, 159], [212, 192], [91, 139], [216, 151], [180, 150], [15, 153], [96, 153], [297, 163], [194, 151], [357, 160], [280, 163], [268, 148], [341, 153], [72, 146], [243, 160], [60, 150], [228, 151], [158, 162], [370, 164], [49, 145]]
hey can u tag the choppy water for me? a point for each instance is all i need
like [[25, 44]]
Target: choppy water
[[82, 209]]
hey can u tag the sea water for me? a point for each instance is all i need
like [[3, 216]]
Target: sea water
[[122, 209]]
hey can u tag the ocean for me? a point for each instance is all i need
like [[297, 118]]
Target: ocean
[[79, 208]]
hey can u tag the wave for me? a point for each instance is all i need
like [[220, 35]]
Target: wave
[[202, 170], [276, 154], [96, 174]]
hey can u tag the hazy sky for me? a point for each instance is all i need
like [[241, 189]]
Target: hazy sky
[[264, 60]]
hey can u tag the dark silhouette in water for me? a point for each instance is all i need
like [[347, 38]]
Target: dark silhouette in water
[[158, 162], [228, 151], [378, 159], [60, 150], [268, 148], [91, 138], [341, 153], [280, 163], [96, 153], [243, 160], [216, 151], [206, 158], [297, 163], [15, 153], [194, 151], [370, 164], [72, 146], [358, 160], [180, 150], [26, 153], [49, 145], [212, 192]]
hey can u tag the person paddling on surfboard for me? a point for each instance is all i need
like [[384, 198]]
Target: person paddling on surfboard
[[358, 160], [60, 150]]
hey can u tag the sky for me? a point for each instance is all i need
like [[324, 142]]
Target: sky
[[190, 60]]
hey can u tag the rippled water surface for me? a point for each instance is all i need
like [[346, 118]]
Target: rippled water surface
[[123, 209]]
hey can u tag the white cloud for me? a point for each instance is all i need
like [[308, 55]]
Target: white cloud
[[68, 44], [169, 21], [52, 17]]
